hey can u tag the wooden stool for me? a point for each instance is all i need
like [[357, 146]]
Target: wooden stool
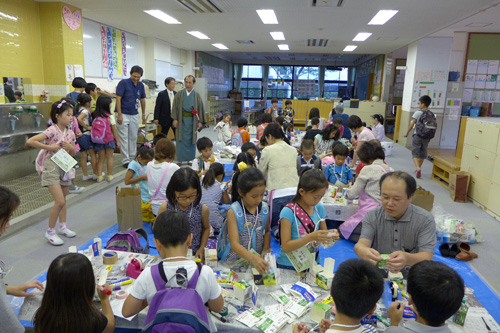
[[443, 166]]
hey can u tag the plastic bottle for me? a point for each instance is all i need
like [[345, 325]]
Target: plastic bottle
[[459, 317]]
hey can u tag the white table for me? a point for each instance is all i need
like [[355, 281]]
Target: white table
[[339, 212]]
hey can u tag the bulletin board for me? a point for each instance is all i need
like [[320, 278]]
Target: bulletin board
[[432, 83], [482, 70], [93, 55]]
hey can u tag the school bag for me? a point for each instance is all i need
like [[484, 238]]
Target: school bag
[[237, 139], [223, 245], [101, 131], [176, 309], [89, 119], [128, 241], [426, 125]]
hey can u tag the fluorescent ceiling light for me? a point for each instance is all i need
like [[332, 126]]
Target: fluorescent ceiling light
[[87, 36], [382, 17], [267, 16], [350, 48], [278, 35], [362, 36], [198, 34], [283, 47], [220, 46], [162, 16]]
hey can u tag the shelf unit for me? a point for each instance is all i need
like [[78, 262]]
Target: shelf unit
[[217, 108], [443, 166]]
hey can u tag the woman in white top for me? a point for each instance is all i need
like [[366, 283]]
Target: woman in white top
[[378, 126], [364, 135]]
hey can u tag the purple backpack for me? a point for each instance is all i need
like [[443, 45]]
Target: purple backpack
[[176, 310], [128, 241]]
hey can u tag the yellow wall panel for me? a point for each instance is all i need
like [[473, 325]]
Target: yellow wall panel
[[21, 54]]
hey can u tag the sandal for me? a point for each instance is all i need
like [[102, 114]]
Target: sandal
[[465, 254]]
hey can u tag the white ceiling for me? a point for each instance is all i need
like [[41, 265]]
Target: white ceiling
[[297, 19]]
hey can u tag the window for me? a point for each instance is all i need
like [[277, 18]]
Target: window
[[336, 82], [251, 81]]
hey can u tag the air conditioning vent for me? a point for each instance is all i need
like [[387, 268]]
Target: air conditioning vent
[[327, 3], [272, 58], [245, 41], [201, 6], [317, 42]]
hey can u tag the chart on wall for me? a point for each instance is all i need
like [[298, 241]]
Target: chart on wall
[[432, 83], [482, 81]]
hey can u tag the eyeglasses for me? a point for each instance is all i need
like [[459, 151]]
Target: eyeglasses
[[185, 198]]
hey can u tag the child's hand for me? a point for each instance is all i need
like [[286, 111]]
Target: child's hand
[[324, 325], [260, 264], [102, 295], [321, 236], [79, 134], [22, 290], [67, 146], [54, 147], [265, 251], [300, 328], [200, 254], [396, 312], [118, 145], [336, 235], [143, 177]]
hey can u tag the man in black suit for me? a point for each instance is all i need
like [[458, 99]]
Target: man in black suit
[[163, 106]]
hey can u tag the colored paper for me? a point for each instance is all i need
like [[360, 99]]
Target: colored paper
[[453, 102], [470, 80], [491, 81], [119, 52], [124, 54], [480, 81], [104, 47], [110, 53]]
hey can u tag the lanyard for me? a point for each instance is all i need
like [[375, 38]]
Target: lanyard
[[250, 223], [341, 172]]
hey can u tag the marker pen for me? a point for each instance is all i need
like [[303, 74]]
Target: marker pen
[[104, 290], [123, 283], [122, 280]]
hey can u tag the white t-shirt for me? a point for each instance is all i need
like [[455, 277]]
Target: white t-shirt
[[361, 329], [207, 287], [155, 173]]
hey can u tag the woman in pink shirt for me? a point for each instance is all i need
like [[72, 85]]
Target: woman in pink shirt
[[364, 135]]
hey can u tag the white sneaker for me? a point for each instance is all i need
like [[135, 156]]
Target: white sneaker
[[74, 189], [66, 232], [53, 239], [94, 177], [109, 178], [86, 178]]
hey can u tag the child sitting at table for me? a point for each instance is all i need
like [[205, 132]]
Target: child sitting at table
[[307, 158], [436, 292], [248, 222], [202, 163], [339, 173], [251, 149], [313, 131], [357, 286], [67, 303], [302, 221], [173, 238], [184, 195]]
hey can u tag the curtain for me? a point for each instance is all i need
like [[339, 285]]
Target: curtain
[[321, 80], [265, 77], [238, 69]]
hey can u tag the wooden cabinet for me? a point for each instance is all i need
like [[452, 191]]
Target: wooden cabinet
[[481, 157]]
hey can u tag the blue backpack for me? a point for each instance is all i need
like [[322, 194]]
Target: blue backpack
[[223, 245], [176, 309]]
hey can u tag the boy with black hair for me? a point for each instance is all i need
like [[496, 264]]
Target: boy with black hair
[[356, 288], [273, 109], [92, 90], [202, 163], [158, 137], [250, 148], [419, 144], [436, 292], [79, 85], [307, 158], [172, 237], [288, 111], [19, 96], [338, 173], [313, 131], [242, 129]]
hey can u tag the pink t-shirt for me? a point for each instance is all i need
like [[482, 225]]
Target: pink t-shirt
[[366, 135], [55, 136]]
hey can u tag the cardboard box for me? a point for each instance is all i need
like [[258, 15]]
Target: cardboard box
[[325, 277], [320, 311], [242, 290], [211, 258], [128, 208]]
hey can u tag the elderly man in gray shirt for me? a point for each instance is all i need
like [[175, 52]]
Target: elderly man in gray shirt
[[404, 231]]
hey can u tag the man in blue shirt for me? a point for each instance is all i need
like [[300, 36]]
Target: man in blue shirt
[[130, 95]]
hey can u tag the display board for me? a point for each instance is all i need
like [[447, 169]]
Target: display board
[[121, 51], [482, 70], [432, 83]]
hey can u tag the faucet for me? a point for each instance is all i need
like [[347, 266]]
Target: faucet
[[13, 118], [38, 117]]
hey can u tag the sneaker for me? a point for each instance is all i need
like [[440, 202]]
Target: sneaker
[[94, 177], [100, 179], [53, 238], [419, 174], [87, 178], [66, 232], [74, 189], [109, 178], [125, 165]]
